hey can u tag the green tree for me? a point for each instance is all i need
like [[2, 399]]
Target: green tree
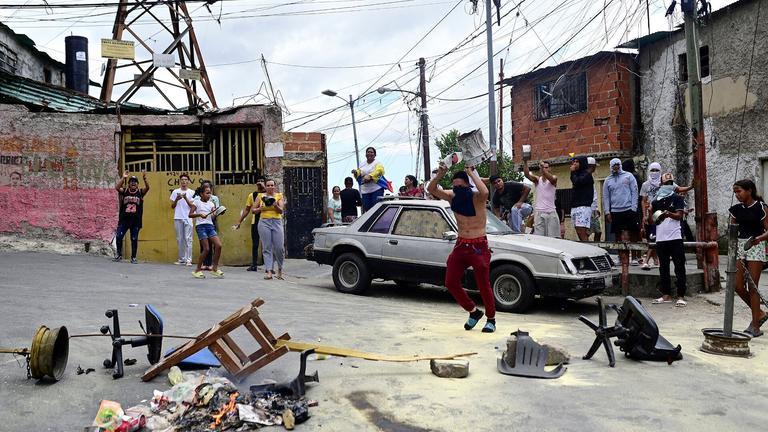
[[449, 143]]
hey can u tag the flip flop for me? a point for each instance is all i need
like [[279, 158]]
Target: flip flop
[[753, 332], [268, 277], [660, 300], [279, 277], [681, 303]]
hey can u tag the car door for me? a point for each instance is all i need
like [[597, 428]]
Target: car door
[[373, 235], [415, 249]]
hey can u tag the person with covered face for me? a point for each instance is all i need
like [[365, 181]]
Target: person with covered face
[[471, 249], [582, 194], [131, 211], [369, 176], [620, 197], [668, 209]]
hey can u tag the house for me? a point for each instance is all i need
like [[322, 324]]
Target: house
[[732, 47], [587, 107], [61, 153], [19, 56]]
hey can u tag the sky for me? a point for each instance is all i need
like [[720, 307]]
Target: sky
[[354, 47]]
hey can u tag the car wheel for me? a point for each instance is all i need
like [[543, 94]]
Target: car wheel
[[512, 288], [350, 274]]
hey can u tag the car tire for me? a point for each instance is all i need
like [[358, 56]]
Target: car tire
[[350, 274], [512, 288]]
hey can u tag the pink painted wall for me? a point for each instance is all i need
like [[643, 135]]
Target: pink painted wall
[[57, 174]]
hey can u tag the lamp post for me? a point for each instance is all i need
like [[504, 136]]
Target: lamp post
[[351, 104], [424, 123]]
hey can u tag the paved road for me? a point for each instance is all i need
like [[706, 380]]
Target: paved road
[[703, 392]]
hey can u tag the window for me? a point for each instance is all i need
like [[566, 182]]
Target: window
[[682, 63], [385, 221], [47, 75], [566, 95], [8, 59], [421, 223]]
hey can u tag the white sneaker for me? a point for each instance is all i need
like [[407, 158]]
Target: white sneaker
[[179, 262], [188, 263], [634, 262]]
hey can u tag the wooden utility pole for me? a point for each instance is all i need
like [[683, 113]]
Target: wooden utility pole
[[706, 223], [501, 112], [424, 116], [183, 45]]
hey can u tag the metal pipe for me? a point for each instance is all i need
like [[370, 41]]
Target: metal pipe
[[730, 281], [132, 334], [643, 246]]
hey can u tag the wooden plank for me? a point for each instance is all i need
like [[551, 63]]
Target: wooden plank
[[235, 349], [225, 356], [264, 329], [262, 351], [260, 363], [345, 352], [254, 331]]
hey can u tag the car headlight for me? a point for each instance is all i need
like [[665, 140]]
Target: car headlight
[[584, 265], [319, 240]]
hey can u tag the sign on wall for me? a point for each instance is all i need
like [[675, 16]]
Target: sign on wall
[[111, 48]]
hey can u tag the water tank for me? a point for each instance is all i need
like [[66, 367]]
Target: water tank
[[76, 72]]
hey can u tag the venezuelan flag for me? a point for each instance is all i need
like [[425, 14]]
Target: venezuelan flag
[[383, 182]]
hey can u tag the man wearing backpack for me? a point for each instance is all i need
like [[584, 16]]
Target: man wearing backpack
[[254, 222]]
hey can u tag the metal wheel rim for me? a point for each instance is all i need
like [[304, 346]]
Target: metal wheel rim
[[507, 289], [349, 274]]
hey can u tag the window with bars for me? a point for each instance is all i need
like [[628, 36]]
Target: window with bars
[[566, 95], [238, 155], [8, 59], [682, 60]]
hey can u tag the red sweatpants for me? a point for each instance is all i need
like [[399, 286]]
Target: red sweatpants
[[471, 253]]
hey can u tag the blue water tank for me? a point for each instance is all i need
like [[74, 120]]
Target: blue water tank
[[76, 72]]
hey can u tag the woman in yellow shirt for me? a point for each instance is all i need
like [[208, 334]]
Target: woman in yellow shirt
[[270, 205]]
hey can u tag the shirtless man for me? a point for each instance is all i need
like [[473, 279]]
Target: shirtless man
[[471, 248]]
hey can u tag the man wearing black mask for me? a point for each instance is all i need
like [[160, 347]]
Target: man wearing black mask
[[471, 248]]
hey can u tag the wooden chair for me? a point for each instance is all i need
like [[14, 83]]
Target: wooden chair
[[231, 356]]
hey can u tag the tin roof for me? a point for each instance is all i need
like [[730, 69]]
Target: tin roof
[[573, 65], [27, 42], [16, 89]]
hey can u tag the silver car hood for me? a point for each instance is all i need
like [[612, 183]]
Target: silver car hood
[[540, 245]]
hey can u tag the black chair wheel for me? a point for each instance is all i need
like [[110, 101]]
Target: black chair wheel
[[104, 329], [107, 363], [109, 313]]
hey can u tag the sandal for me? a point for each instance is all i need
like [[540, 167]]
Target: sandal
[[753, 331], [217, 274], [660, 300], [279, 276], [681, 303], [645, 266], [198, 274], [267, 276]]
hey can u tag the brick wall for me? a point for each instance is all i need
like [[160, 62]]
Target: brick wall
[[605, 127], [304, 142], [57, 174]]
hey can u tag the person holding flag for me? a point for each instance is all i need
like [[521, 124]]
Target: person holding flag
[[371, 179]]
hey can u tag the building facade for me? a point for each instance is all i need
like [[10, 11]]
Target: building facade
[[19, 56]]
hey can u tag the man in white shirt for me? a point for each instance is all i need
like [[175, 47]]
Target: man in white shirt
[[181, 221]]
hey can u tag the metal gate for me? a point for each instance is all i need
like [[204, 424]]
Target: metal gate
[[304, 194]]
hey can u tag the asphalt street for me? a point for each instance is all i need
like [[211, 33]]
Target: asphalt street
[[702, 392]]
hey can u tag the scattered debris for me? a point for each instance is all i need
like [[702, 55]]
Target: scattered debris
[[129, 362], [295, 387], [289, 421], [528, 360], [174, 376], [89, 370], [80, 370], [109, 416], [450, 368], [555, 354]]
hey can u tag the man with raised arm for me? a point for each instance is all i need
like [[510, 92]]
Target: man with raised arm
[[471, 248]]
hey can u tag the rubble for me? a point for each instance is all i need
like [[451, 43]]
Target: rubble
[[450, 368], [555, 356]]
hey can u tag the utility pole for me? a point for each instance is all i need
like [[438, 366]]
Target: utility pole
[[424, 116], [706, 224], [354, 129], [491, 95], [501, 110]]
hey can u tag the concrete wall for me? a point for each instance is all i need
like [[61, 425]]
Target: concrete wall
[[57, 174], [30, 64], [605, 127], [664, 100]]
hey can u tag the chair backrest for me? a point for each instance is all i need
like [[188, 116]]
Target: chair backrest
[[641, 327]]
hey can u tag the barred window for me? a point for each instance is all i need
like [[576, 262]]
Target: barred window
[[566, 95]]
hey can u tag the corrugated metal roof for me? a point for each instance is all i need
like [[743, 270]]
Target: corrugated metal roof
[[25, 40], [29, 92], [646, 40], [573, 65]]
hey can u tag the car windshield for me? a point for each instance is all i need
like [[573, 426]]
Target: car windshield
[[493, 225]]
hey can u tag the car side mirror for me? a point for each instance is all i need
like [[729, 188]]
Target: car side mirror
[[450, 235]]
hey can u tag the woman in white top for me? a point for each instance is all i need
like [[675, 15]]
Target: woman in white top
[[334, 206], [368, 176], [204, 210]]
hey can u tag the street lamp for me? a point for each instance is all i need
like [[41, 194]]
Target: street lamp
[[351, 104]]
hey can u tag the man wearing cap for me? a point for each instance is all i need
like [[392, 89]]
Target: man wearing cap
[[668, 210], [582, 194], [545, 219], [594, 227], [131, 210], [620, 198], [510, 197]]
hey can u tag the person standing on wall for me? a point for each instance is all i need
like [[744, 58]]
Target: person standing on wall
[[471, 249], [350, 201], [370, 177], [254, 222], [582, 194], [204, 210], [751, 215], [181, 221], [669, 240], [620, 198], [131, 210], [271, 205], [546, 222], [334, 206]]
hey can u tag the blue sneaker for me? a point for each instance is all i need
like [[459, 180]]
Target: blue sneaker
[[489, 327], [473, 319]]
